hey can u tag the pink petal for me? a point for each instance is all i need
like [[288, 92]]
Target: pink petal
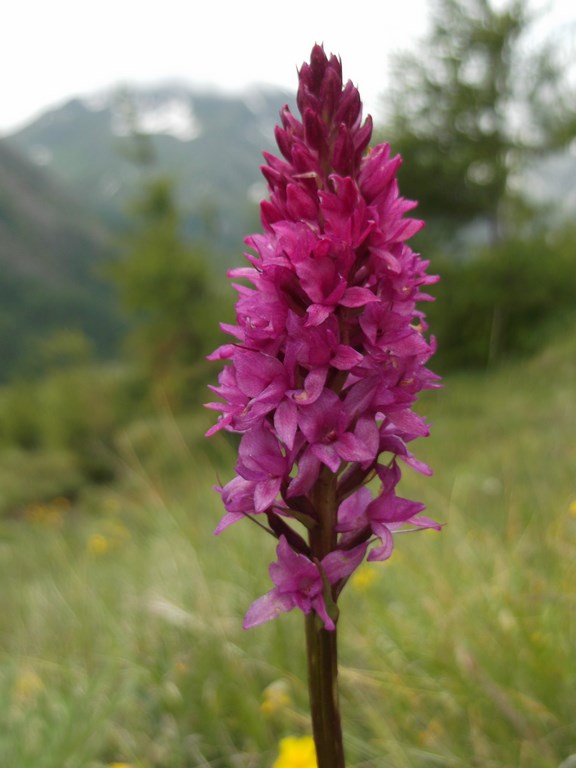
[[409, 422], [357, 297], [352, 448], [265, 493], [313, 386], [317, 313], [320, 608], [341, 563], [425, 522], [286, 423], [266, 608], [229, 519], [346, 358], [352, 511], [416, 464], [308, 471], [385, 536], [393, 509], [327, 455]]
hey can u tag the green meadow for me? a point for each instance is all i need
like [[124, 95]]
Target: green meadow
[[120, 612]]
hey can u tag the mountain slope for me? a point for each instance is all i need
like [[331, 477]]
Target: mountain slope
[[50, 253], [210, 144]]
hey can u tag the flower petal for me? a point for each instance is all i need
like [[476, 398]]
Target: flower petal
[[385, 535], [266, 608]]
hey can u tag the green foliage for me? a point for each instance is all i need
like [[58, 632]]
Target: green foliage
[[57, 433], [505, 301], [29, 478], [467, 107], [64, 349], [32, 313], [467, 110], [166, 284], [120, 632], [50, 251], [93, 152]]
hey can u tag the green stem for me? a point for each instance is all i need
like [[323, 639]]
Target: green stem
[[323, 688], [321, 644]]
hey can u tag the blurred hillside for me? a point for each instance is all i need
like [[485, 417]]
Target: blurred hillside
[[67, 184], [50, 251], [69, 179], [210, 145]]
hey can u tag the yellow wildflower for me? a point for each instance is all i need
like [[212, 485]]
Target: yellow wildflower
[[296, 753], [98, 545], [113, 534], [117, 531], [182, 667], [27, 686], [119, 765], [432, 733], [572, 508], [363, 578], [44, 514], [275, 698]]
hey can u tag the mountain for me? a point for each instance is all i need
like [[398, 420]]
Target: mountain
[[50, 252], [210, 144], [66, 183], [68, 177]]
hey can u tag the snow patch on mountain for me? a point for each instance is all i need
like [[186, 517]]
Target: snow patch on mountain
[[40, 155], [171, 117], [258, 100], [97, 101]]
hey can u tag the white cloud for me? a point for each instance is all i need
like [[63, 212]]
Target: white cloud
[[53, 50], [64, 48]]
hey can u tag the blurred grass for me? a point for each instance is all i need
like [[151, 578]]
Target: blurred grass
[[120, 614]]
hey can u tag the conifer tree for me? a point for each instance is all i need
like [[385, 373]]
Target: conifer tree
[[165, 283], [468, 107]]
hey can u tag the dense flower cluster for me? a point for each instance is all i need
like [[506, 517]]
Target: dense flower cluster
[[329, 352]]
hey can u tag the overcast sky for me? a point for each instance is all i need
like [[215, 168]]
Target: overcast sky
[[54, 49]]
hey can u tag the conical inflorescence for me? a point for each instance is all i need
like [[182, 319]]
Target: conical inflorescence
[[328, 353]]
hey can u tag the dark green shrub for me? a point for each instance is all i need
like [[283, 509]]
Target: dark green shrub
[[504, 301], [73, 411]]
